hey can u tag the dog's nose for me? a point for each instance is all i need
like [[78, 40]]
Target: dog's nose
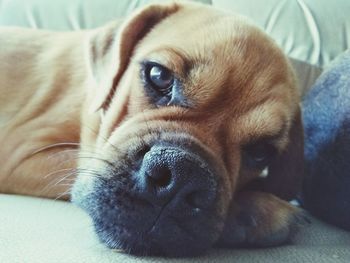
[[176, 178]]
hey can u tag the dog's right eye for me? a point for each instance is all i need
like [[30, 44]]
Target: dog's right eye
[[158, 77], [258, 155], [162, 86]]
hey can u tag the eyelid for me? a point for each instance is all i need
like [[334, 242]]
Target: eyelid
[[272, 138], [252, 145], [172, 58], [147, 63], [180, 71]]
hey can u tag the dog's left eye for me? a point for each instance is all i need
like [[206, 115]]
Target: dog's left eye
[[258, 155], [159, 77]]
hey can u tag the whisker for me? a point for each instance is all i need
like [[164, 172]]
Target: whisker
[[98, 159], [103, 138], [52, 155], [60, 144], [63, 194], [77, 157], [58, 171], [100, 136], [67, 184], [53, 183], [65, 177], [76, 150]]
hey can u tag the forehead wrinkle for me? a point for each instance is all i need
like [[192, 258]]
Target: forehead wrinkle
[[206, 86], [195, 72], [170, 56], [226, 73], [268, 120], [225, 60]]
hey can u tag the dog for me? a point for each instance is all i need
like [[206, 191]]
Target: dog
[[176, 130]]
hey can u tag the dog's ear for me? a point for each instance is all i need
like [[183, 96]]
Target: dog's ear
[[111, 49], [256, 216], [285, 173]]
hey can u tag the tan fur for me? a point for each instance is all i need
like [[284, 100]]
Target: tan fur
[[54, 88]]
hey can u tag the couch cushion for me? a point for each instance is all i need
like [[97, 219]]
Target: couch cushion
[[38, 230], [66, 14], [313, 31]]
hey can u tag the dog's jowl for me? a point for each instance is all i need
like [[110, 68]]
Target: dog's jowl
[[167, 121]]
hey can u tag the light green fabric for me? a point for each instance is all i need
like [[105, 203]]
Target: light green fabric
[[66, 14], [45, 231], [313, 31]]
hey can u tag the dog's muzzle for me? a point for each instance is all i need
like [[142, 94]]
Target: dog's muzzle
[[166, 203]]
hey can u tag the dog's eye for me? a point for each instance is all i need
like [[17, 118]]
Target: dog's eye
[[258, 155], [159, 77]]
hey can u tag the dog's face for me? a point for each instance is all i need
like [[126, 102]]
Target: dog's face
[[201, 103]]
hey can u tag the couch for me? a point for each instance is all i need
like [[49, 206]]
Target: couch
[[311, 32]]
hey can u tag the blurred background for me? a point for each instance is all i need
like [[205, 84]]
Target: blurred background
[[311, 32]]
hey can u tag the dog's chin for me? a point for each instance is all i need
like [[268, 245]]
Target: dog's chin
[[149, 243], [136, 227], [123, 220]]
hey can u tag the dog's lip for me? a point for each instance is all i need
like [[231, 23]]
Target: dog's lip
[[147, 244]]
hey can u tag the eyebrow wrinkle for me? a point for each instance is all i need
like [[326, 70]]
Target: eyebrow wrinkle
[[270, 137]]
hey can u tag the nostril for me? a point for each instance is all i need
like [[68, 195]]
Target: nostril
[[141, 153], [162, 178]]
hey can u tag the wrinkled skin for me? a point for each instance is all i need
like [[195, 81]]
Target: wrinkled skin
[[166, 175]]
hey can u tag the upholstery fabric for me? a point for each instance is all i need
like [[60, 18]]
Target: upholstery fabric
[[44, 231], [308, 30], [313, 31], [326, 119]]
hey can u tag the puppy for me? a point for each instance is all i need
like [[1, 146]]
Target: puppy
[[180, 128]]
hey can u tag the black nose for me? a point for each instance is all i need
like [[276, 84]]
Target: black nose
[[177, 178]]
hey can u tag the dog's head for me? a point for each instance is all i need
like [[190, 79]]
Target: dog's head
[[191, 105]]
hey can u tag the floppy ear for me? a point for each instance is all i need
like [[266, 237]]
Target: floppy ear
[[110, 49], [257, 215], [285, 173]]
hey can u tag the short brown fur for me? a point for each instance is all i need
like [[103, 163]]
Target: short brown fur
[[56, 86]]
